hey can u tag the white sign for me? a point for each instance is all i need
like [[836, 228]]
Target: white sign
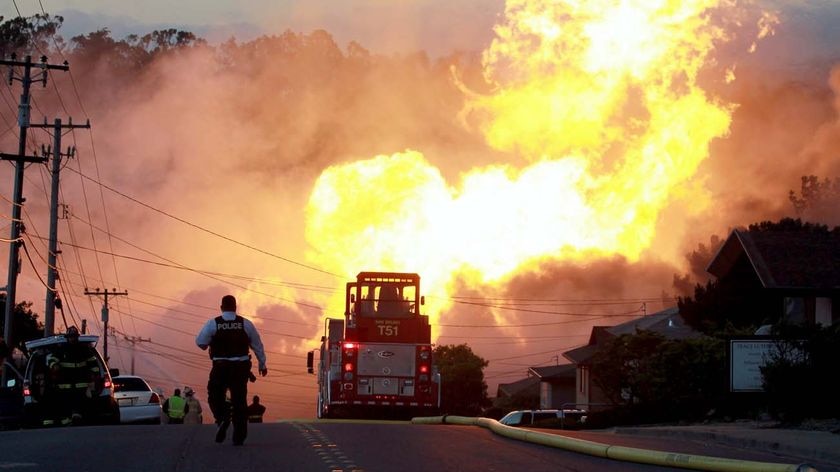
[[747, 358]]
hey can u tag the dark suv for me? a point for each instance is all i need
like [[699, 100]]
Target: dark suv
[[96, 406]]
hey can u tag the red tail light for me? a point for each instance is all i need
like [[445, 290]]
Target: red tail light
[[26, 391], [424, 369], [154, 398], [107, 383], [348, 367], [349, 345]]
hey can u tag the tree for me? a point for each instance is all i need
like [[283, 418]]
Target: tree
[[799, 376], [31, 36], [464, 391], [697, 259], [656, 379], [817, 200], [25, 324], [622, 369]]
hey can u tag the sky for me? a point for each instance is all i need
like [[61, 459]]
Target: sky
[[537, 193], [381, 25]]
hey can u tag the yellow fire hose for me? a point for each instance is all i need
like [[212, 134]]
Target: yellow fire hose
[[621, 453]]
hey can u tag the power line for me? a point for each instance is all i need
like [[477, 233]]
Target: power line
[[302, 304], [201, 228]]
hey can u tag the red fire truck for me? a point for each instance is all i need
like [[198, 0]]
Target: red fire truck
[[377, 361]]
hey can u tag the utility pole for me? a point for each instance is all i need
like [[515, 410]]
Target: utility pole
[[134, 340], [106, 293], [52, 271], [20, 159]]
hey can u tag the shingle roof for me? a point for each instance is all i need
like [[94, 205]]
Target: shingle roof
[[510, 389], [783, 259], [668, 323], [554, 371]]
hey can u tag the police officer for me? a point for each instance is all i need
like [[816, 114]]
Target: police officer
[[229, 337], [176, 407]]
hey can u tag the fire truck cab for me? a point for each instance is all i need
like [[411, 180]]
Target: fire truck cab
[[377, 361]]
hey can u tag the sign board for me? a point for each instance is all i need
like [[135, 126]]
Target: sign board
[[746, 357]]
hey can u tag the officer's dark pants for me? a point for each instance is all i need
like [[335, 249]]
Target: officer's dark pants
[[233, 376]]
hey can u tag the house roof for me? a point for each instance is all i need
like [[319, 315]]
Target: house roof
[[581, 354], [783, 259], [668, 323], [511, 389], [554, 371]]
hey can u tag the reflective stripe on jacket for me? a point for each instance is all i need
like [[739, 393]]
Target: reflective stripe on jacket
[[176, 406]]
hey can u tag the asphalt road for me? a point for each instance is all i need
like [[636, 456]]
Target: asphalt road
[[298, 446]]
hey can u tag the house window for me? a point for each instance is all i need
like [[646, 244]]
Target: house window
[[795, 310], [800, 310], [822, 315], [811, 310]]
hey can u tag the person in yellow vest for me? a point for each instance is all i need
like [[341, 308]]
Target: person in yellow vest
[[192, 413], [176, 407], [73, 369], [256, 411]]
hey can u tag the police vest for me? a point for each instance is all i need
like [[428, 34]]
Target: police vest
[[176, 406], [230, 339]]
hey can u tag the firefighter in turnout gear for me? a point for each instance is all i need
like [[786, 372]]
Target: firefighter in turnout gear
[[229, 337], [192, 414], [72, 372], [176, 407]]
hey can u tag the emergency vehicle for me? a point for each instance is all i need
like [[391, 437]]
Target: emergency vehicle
[[377, 361]]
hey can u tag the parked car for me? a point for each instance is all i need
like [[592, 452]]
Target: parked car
[[566, 419], [137, 401], [97, 406], [11, 399]]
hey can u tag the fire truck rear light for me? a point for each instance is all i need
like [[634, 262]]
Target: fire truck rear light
[[349, 345], [107, 384], [348, 367], [424, 369], [26, 391]]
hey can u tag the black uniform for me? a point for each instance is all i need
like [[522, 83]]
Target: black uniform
[[229, 338]]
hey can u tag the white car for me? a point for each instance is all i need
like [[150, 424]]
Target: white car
[[565, 419], [137, 401]]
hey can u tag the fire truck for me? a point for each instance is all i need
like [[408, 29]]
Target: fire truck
[[377, 361]]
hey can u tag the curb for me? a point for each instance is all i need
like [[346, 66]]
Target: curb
[[723, 437], [621, 453]]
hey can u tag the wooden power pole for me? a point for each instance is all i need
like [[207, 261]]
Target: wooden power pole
[[106, 293], [21, 159]]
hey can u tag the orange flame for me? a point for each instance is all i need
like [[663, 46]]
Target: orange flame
[[599, 99]]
